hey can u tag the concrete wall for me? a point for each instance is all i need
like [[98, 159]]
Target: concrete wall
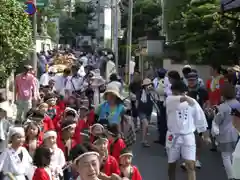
[[203, 70]]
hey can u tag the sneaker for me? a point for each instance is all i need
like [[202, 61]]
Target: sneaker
[[145, 144], [198, 164]]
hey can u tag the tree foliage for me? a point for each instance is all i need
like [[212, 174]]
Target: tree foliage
[[79, 22], [146, 15], [15, 35], [203, 34]]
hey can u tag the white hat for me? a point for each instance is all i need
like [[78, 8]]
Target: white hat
[[52, 69], [146, 82], [111, 88], [16, 130], [187, 66]]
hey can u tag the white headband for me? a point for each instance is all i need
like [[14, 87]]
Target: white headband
[[126, 154], [49, 134], [86, 154], [70, 125], [95, 125], [16, 130], [105, 139]]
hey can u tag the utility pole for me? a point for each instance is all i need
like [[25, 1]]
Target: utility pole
[[116, 34], [34, 25], [112, 24], [129, 42], [98, 21], [70, 9]]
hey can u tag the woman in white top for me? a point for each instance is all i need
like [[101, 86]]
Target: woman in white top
[[57, 158], [15, 161]]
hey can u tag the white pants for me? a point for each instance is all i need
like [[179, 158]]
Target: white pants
[[182, 146], [227, 162]]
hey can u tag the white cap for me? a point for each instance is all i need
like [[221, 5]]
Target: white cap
[[52, 69]]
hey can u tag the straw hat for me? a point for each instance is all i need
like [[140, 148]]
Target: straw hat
[[146, 82], [236, 68], [114, 90]]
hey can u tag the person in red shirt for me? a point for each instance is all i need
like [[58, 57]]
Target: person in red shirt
[[65, 139], [32, 131], [127, 169], [68, 113], [42, 160], [43, 107], [66, 142], [51, 100], [109, 164], [39, 117], [116, 143], [82, 125], [214, 84], [96, 130]]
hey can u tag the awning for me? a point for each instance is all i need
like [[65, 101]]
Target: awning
[[230, 5]]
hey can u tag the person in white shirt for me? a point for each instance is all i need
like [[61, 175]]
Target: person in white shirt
[[132, 67], [75, 83], [61, 81], [184, 117], [81, 70], [235, 112], [46, 77], [57, 158]]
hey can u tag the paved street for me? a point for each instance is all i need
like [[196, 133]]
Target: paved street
[[152, 162]]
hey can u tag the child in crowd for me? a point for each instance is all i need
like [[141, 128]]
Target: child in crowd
[[116, 143], [57, 158], [32, 130], [109, 164], [52, 111], [127, 169], [42, 160]]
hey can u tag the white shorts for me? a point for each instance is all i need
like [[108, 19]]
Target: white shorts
[[184, 146]]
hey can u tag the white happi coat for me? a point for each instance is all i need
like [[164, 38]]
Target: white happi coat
[[12, 164], [57, 163], [4, 128]]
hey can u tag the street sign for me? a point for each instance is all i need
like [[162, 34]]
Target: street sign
[[40, 3]]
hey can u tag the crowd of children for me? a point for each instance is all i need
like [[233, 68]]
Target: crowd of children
[[61, 140]]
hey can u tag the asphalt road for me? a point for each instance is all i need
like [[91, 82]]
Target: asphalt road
[[152, 162]]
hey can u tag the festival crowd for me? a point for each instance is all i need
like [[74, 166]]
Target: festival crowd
[[77, 125]]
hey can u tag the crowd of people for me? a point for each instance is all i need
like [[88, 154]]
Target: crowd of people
[[77, 125]]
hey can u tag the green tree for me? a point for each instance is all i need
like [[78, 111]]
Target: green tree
[[204, 34], [78, 23], [146, 15], [15, 35]]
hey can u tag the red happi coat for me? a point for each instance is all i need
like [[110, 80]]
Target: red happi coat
[[111, 166], [61, 145], [47, 125], [135, 174], [115, 147], [81, 126], [41, 174]]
